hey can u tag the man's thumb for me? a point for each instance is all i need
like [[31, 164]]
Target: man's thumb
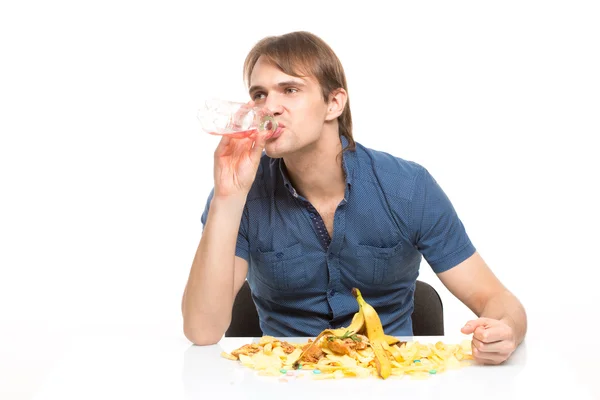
[[260, 142], [470, 327]]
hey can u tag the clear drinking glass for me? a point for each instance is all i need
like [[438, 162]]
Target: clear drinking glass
[[223, 117]]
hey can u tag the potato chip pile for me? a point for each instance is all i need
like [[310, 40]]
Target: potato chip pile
[[274, 357], [361, 350]]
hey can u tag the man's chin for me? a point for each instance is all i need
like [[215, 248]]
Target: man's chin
[[273, 151], [273, 154]]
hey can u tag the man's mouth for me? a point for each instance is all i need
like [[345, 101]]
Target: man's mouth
[[277, 132]]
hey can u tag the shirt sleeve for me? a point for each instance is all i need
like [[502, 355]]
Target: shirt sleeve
[[242, 246], [439, 234]]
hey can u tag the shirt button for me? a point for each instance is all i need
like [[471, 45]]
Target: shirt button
[[332, 292], [279, 255], [331, 256]]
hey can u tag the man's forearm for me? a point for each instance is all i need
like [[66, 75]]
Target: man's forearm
[[507, 308], [206, 307]]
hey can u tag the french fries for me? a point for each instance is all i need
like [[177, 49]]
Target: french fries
[[273, 357]]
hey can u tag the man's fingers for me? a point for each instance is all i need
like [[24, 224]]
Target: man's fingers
[[487, 330], [222, 146], [501, 346], [260, 142], [492, 334], [482, 334], [488, 358], [474, 324], [492, 341], [468, 328]]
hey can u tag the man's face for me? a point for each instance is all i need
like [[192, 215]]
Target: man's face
[[297, 103]]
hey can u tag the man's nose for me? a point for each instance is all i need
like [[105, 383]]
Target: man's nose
[[273, 104]]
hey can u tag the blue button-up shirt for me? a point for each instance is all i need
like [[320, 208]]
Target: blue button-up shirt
[[393, 213]]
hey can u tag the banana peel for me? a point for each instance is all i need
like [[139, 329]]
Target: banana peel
[[375, 334], [390, 340], [357, 326], [367, 322], [325, 332]]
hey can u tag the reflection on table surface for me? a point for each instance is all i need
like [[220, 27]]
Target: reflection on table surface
[[205, 370], [128, 365]]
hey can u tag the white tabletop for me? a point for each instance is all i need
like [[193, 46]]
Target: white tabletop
[[149, 363], [531, 371]]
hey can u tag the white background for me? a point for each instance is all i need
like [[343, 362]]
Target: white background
[[104, 171]]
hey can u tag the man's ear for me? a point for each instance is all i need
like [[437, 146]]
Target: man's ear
[[336, 104]]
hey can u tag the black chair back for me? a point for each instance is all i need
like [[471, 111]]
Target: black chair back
[[427, 317]]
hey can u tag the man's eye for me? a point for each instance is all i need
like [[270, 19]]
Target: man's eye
[[291, 90], [258, 96]]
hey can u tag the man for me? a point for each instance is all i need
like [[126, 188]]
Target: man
[[318, 214]]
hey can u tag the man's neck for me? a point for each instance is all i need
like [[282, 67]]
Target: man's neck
[[317, 173]]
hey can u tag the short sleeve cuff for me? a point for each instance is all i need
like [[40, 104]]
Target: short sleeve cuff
[[452, 259], [242, 251]]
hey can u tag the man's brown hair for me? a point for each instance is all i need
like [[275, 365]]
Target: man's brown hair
[[303, 54]]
